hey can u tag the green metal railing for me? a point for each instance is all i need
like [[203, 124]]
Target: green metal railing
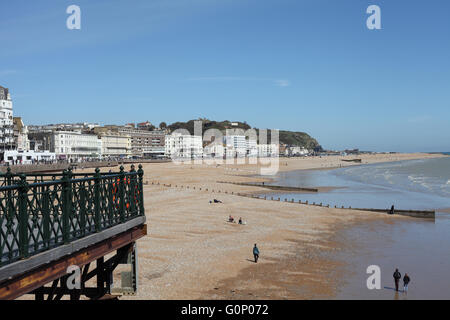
[[42, 211]]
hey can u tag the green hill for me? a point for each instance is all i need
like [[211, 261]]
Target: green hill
[[295, 138], [292, 138], [208, 124]]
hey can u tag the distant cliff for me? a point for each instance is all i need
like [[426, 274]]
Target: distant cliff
[[293, 138]]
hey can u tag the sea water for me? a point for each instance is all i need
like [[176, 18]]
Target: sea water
[[413, 184], [418, 247]]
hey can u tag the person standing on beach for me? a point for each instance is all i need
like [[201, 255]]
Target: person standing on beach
[[397, 276], [256, 253], [406, 280], [392, 210]]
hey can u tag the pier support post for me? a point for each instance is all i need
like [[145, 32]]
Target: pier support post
[[23, 217]]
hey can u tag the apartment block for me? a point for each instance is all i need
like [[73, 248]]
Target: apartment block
[[6, 121], [183, 146]]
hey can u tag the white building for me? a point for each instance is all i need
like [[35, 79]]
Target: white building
[[268, 150], [252, 148], [6, 121], [297, 151], [236, 146], [183, 146], [28, 157], [143, 142], [214, 150], [21, 140], [115, 144], [75, 145], [72, 145]]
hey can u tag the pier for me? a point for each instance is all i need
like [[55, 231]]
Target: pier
[[50, 223], [60, 166]]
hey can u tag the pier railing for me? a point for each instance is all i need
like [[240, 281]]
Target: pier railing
[[42, 211]]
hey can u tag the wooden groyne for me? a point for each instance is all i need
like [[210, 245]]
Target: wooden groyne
[[424, 214], [272, 187], [128, 161], [352, 160]]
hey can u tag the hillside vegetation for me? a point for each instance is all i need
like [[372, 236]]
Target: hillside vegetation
[[292, 138]]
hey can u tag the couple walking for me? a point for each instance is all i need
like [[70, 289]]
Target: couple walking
[[397, 276]]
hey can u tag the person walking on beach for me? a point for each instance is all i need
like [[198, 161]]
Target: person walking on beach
[[392, 210], [406, 280], [397, 276], [256, 253]]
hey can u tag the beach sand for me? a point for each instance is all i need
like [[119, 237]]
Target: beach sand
[[192, 252]]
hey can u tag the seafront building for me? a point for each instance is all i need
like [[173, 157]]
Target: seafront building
[[144, 143], [233, 146], [15, 146], [187, 146], [183, 146], [115, 145], [236, 146], [268, 150], [13, 157], [6, 121], [21, 140], [293, 151], [252, 148], [87, 141], [214, 150], [69, 145]]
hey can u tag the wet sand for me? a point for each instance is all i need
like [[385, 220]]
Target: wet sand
[[191, 252], [412, 246]]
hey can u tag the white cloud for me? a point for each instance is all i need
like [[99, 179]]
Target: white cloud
[[282, 83]]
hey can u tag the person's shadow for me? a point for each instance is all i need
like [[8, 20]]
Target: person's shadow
[[250, 260]]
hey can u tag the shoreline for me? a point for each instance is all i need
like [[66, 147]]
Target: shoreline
[[191, 252], [190, 236], [329, 162], [225, 261], [323, 189]]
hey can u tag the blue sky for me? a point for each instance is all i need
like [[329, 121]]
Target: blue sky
[[304, 65]]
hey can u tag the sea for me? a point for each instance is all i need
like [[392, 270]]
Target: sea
[[413, 184], [419, 247]]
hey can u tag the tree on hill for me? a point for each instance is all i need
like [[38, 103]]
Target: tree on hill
[[163, 125]]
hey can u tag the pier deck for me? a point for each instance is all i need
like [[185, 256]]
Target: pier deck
[[49, 222]]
